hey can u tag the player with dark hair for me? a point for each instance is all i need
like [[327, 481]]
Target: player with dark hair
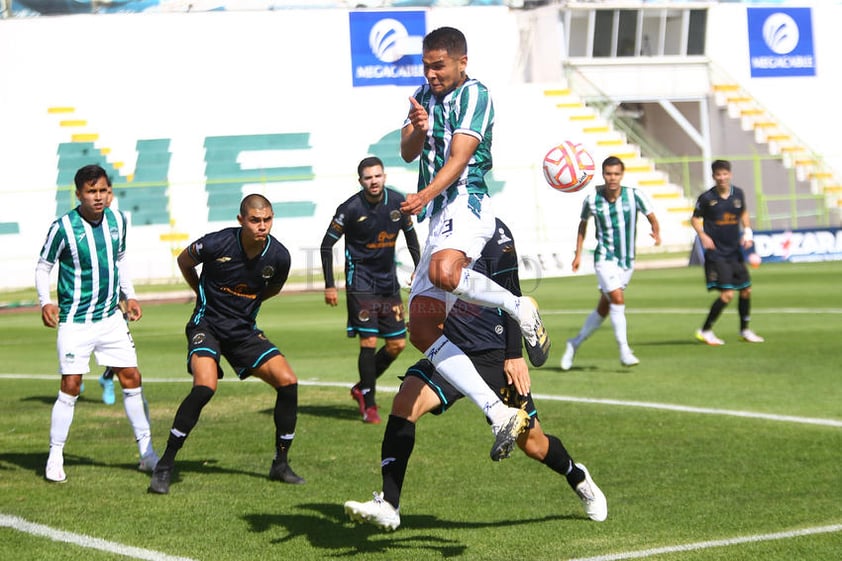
[[241, 268], [449, 126], [614, 209], [492, 340], [371, 220], [722, 223], [89, 246]]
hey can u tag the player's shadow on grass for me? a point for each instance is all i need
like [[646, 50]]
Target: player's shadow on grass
[[340, 412], [345, 539], [37, 461]]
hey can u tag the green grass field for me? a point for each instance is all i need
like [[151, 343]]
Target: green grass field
[[728, 453]]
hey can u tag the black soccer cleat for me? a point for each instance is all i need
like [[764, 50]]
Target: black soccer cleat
[[539, 352], [280, 471], [160, 482]]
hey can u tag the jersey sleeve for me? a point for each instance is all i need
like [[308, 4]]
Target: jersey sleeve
[[644, 202], [54, 244], [586, 208], [475, 114]]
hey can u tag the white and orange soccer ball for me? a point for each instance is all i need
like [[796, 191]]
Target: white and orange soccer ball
[[568, 167]]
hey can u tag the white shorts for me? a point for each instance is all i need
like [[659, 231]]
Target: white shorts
[[466, 223], [610, 277], [109, 340]]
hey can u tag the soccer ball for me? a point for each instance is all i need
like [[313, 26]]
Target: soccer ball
[[754, 260], [568, 167]]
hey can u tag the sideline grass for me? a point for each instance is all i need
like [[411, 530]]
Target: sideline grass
[[671, 477]]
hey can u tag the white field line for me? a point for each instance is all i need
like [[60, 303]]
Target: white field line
[[693, 311], [572, 399], [714, 543], [82, 540]]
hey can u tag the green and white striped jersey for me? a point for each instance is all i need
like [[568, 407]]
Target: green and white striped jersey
[[87, 255], [466, 110], [616, 223]]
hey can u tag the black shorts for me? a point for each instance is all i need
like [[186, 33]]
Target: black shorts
[[374, 315], [244, 354], [726, 275], [490, 367]]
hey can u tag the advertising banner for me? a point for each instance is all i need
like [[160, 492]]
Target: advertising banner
[[781, 42]]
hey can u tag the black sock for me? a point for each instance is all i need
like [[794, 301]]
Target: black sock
[[108, 374], [368, 374], [744, 307], [713, 315], [185, 419], [398, 442], [382, 361], [285, 415], [559, 461]]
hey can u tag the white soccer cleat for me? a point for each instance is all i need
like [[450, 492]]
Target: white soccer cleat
[[376, 511], [709, 338], [569, 354], [55, 471], [593, 499], [506, 433], [148, 461], [529, 319], [627, 358], [750, 336]]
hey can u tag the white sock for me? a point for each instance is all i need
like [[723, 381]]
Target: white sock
[[455, 367], [592, 323], [477, 288], [60, 421], [617, 313], [134, 403]]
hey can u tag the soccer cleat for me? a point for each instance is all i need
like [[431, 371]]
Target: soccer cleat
[[506, 433], [280, 471], [569, 354], [750, 336], [357, 394], [148, 461], [160, 482], [55, 471], [593, 499], [627, 358], [709, 338], [371, 416], [540, 351], [529, 320], [107, 385], [376, 511]]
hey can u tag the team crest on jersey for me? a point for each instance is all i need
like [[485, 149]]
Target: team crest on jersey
[[503, 237], [498, 329], [115, 233], [363, 315], [738, 203], [198, 338], [395, 215], [268, 272]]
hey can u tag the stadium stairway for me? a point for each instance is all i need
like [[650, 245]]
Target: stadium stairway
[[142, 195], [768, 130], [672, 207]]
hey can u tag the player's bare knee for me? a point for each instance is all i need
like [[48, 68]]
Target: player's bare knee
[[395, 346]]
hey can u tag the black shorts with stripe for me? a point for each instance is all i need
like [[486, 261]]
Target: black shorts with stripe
[[489, 364], [243, 353], [728, 274], [376, 315]]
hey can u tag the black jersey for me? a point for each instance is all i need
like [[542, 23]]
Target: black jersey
[[475, 328], [721, 217], [231, 285], [371, 232]]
